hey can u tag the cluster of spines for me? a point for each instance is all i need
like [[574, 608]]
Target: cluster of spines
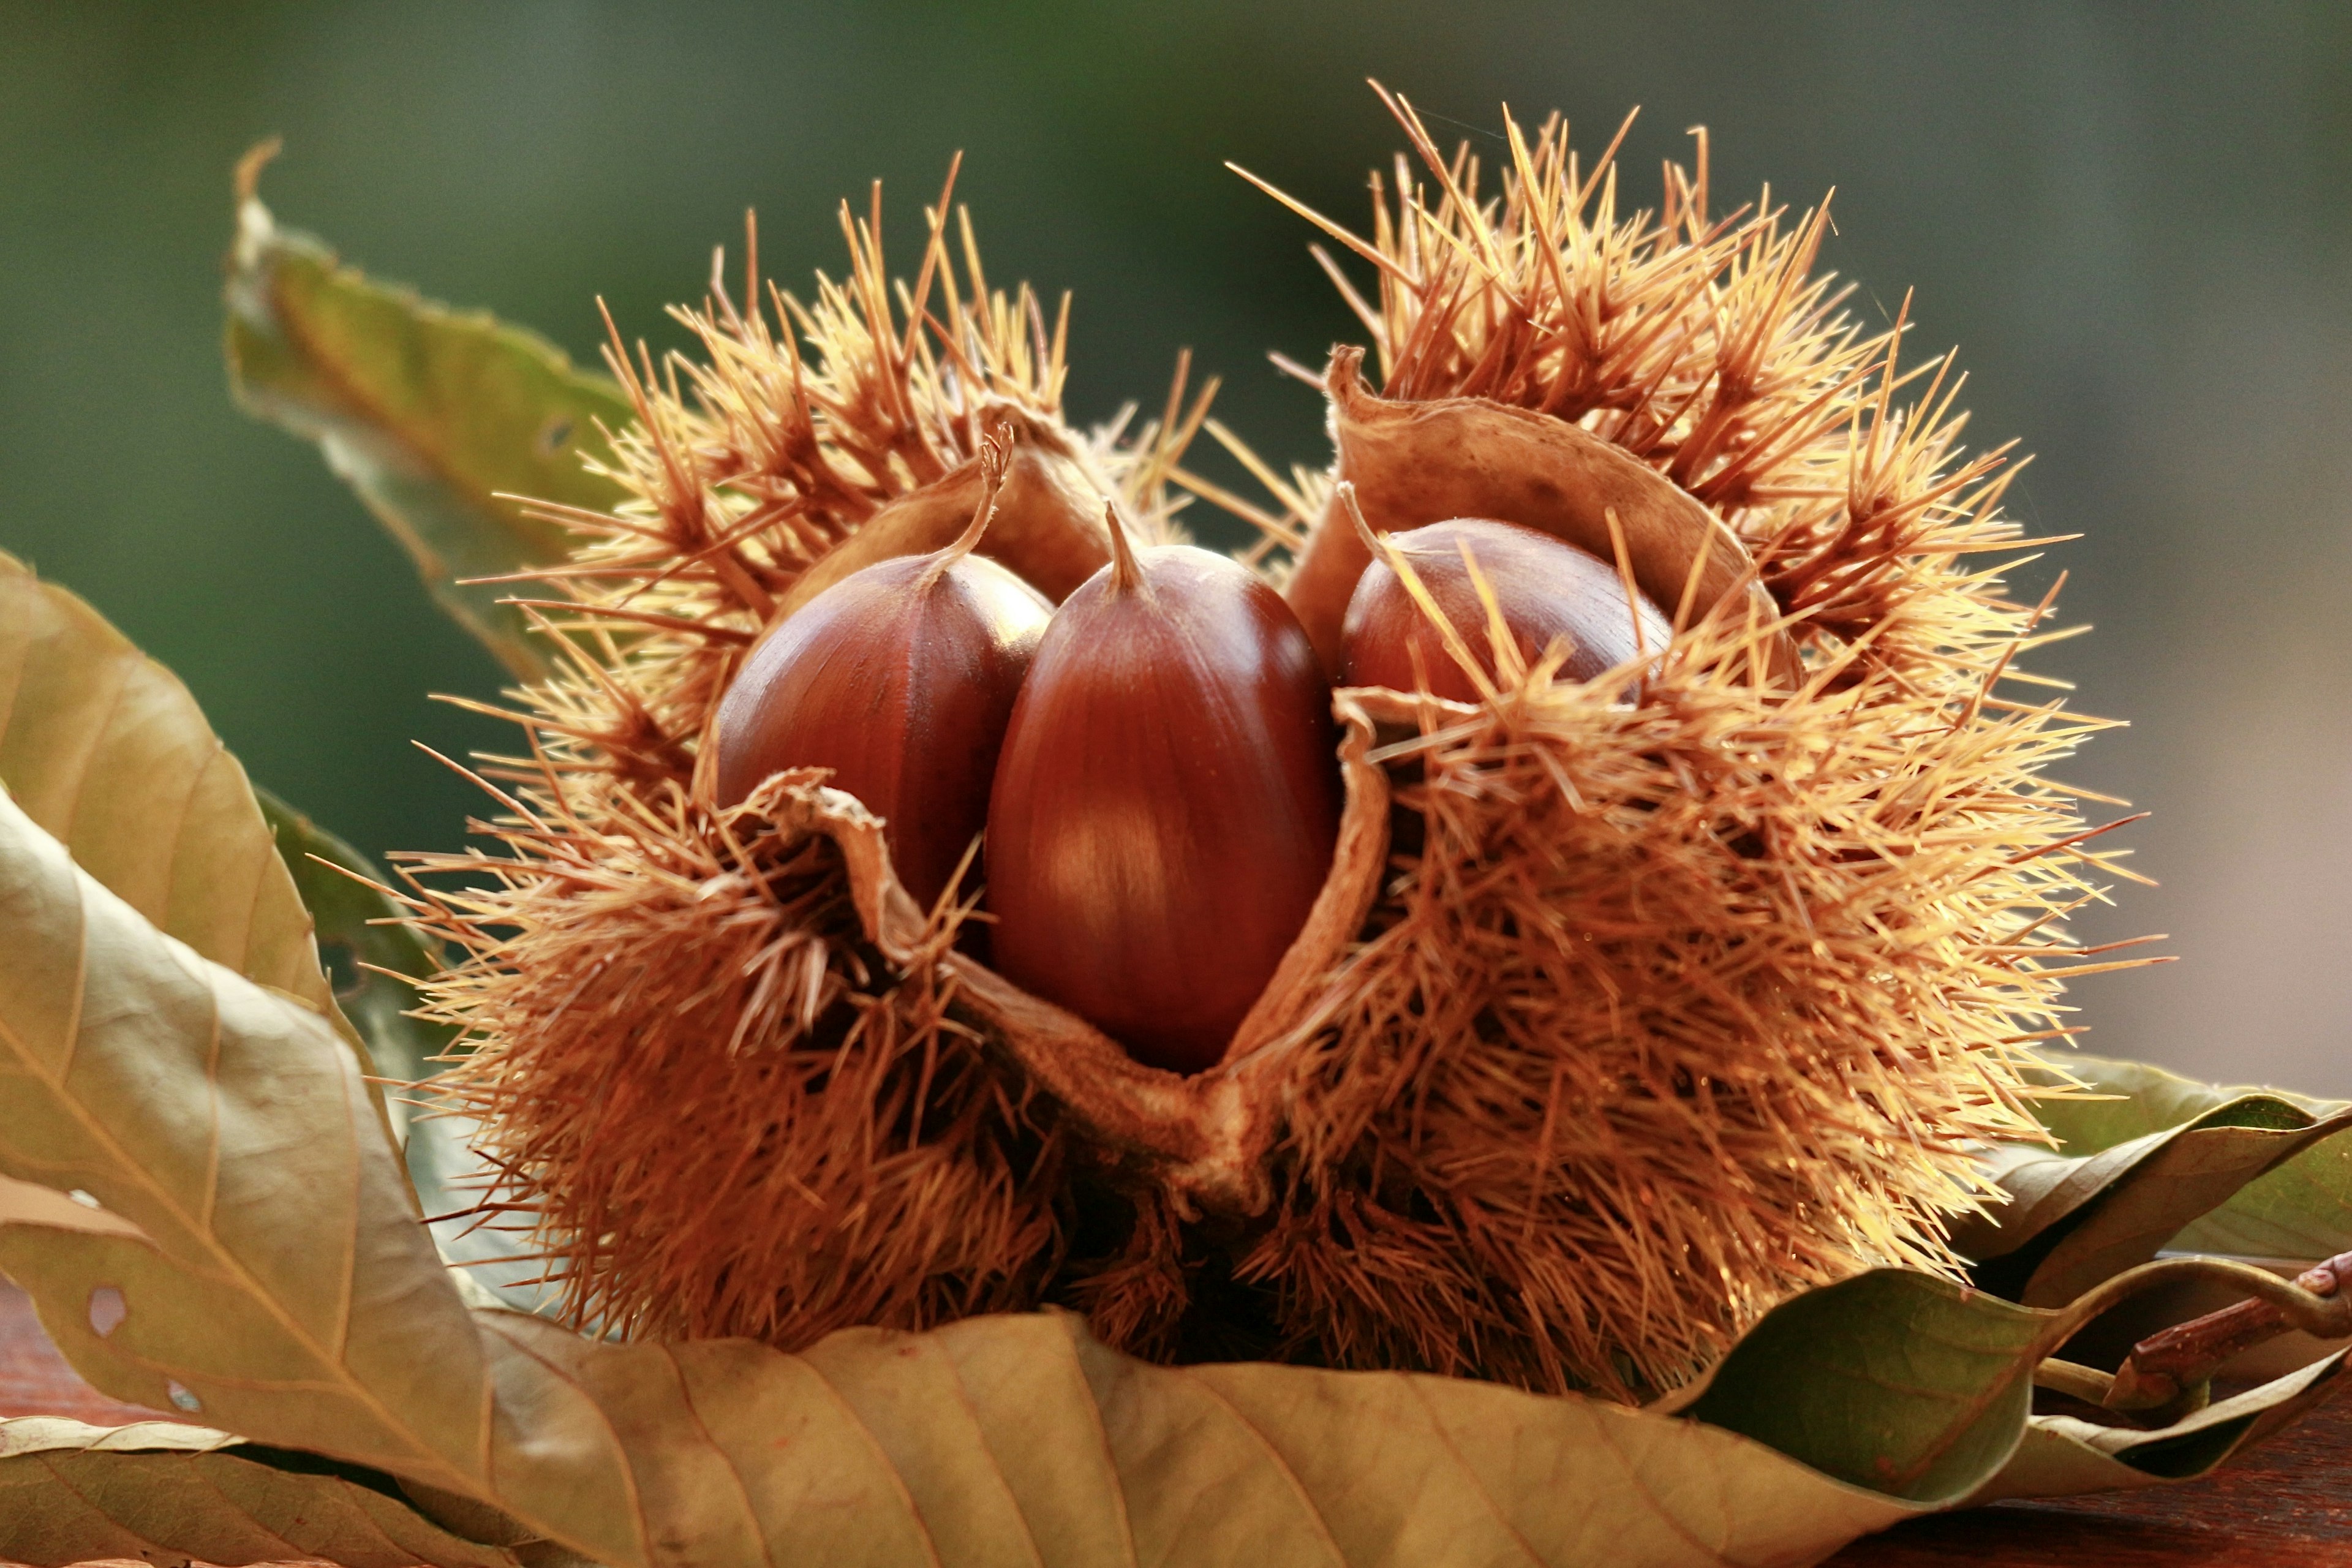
[[1684, 1003]]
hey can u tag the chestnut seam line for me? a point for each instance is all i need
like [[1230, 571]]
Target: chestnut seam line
[[1478, 1488], [874, 1442], [1298, 1485], [987, 1449], [1102, 1430], [628, 1476], [702, 1429], [101, 1135]]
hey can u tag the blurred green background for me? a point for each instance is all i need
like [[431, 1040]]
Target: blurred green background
[[2133, 217]]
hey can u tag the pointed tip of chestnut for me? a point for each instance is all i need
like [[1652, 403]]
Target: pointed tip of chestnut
[[1470, 569], [994, 452], [1126, 576], [1166, 805]]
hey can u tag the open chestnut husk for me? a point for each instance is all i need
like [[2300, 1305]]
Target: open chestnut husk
[[1626, 1007]]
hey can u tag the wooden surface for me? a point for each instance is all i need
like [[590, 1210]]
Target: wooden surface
[[2283, 1504]]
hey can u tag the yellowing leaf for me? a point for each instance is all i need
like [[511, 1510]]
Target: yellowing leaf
[[430, 414], [2300, 1208], [2135, 1097], [2063, 1456]]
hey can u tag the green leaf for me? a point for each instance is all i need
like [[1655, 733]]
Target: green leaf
[[2134, 1099], [2126, 1180], [71, 1493], [1906, 1383], [431, 415], [1920, 1387], [2300, 1209]]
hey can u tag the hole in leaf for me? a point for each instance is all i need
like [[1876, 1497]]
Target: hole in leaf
[[553, 434], [107, 1311], [87, 1200], [181, 1399]]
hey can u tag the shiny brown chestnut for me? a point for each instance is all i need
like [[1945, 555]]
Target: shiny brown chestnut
[[900, 677], [1543, 587], [1165, 804]]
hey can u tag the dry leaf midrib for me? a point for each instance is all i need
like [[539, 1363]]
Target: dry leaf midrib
[[49, 1464], [484, 1322], [294, 1550], [1102, 1431], [987, 1450], [118, 661], [1633, 1473]]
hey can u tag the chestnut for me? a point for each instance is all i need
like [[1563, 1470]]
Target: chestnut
[[900, 677], [1165, 804], [1542, 587]]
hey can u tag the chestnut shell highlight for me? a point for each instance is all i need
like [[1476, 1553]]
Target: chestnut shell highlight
[[1165, 804], [1543, 587]]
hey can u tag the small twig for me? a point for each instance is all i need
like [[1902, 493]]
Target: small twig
[[2165, 1365]]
